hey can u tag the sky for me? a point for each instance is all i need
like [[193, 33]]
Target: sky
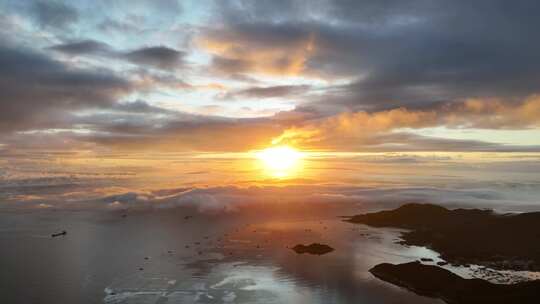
[[121, 104], [233, 76]]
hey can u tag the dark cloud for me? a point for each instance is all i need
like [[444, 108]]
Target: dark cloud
[[269, 92], [115, 26], [382, 66], [38, 91], [403, 141], [258, 49], [139, 106], [413, 53], [184, 132], [160, 57], [84, 47], [54, 14]]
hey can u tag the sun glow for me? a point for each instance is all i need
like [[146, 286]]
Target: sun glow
[[279, 161]]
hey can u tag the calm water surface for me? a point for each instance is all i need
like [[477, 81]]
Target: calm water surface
[[236, 247], [162, 257]]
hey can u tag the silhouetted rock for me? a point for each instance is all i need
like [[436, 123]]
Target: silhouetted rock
[[426, 260], [466, 236], [59, 233], [315, 248], [442, 263], [438, 282]]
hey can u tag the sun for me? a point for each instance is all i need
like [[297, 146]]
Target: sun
[[279, 161]]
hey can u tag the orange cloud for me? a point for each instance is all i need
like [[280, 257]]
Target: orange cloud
[[495, 113], [358, 128], [236, 53]]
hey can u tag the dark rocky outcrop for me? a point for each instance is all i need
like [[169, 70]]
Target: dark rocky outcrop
[[315, 248], [433, 281], [466, 236]]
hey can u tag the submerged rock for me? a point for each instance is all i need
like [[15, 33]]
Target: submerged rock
[[433, 281], [315, 248]]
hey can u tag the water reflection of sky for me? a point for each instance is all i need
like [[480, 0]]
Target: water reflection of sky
[[161, 257], [254, 265], [243, 223]]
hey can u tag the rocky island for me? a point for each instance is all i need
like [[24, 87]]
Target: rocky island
[[438, 282], [466, 236], [315, 248]]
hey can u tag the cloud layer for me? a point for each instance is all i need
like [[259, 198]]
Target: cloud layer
[[238, 75]]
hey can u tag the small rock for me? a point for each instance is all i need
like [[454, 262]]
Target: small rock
[[315, 248]]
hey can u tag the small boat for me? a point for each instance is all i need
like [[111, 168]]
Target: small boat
[[59, 233]]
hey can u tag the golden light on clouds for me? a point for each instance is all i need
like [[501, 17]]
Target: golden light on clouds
[[244, 55], [280, 161]]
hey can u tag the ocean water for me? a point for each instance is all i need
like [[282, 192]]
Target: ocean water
[[162, 257], [185, 229]]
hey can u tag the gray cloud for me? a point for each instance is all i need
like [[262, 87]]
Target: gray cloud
[[372, 56], [54, 14], [228, 65], [109, 25], [287, 91], [38, 91], [84, 47], [139, 106], [412, 54], [160, 57], [458, 191], [180, 132]]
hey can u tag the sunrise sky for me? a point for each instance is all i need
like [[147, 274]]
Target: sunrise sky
[[234, 76], [207, 151], [102, 98]]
